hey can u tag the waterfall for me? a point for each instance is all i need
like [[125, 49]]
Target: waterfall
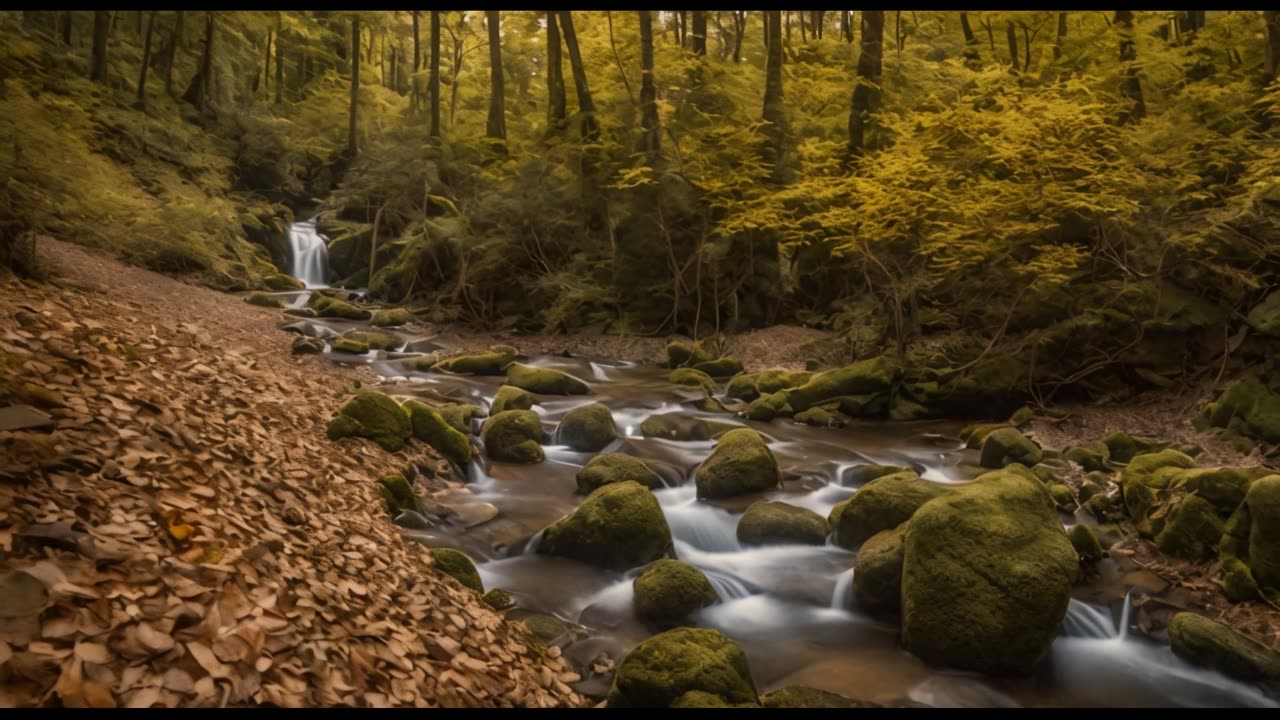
[[310, 254]]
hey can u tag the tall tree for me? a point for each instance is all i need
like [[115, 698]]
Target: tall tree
[[866, 93], [585, 105], [699, 32], [648, 91], [355, 86], [774, 113], [1012, 36], [739, 30], [198, 92], [846, 25], [433, 78], [98, 60], [970, 40], [555, 74], [1130, 86], [64, 27], [146, 60], [170, 51], [1062, 34], [1271, 64], [496, 126]]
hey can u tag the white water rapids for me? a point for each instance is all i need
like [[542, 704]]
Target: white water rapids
[[308, 254]]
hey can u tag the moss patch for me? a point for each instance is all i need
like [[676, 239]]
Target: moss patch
[[741, 463], [430, 427], [589, 428], [882, 504], [545, 381], [877, 572], [615, 467], [372, 415], [391, 317], [510, 397], [776, 523], [668, 591], [491, 363], [618, 526], [458, 566], [513, 436], [662, 669], [1210, 644]]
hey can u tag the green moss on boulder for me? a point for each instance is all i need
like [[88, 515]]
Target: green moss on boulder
[[816, 416], [510, 397], [328, 307], [1264, 532], [877, 572], [662, 669], [458, 566], [974, 435], [350, 345], [1238, 583], [767, 407], [882, 504], [391, 317], [675, 426], [669, 591], [875, 375], [749, 386], [689, 376], [1124, 447], [1092, 457], [721, 368], [1265, 316], [399, 494], [372, 415], [615, 467], [513, 436], [863, 474], [280, 282], [618, 526], [545, 381], [681, 353], [589, 428], [1085, 542], [494, 362], [1006, 445], [799, 696], [430, 427], [498, 600], [459, 416], [1201, 641], [264, 300], [375, 340], [741, 463], [777, 523], [1062, 497]]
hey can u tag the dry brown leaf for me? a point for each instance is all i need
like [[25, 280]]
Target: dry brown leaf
[[205, 657], [93, 652], [154, 640]]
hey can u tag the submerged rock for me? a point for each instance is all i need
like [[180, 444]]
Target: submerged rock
[[457, 565], [741, 463], [676, 426], [618, 526], [668, 591], [510, 397], [615, 467], [372, 415], [1202, 641], [430, 427], [862, 474], [987, 574], [545, 381], [875, 375], [681, 353], [391, 317], [494, 362], [817, 417], [882, 504], [704, 665], [877, 572], [589, 428], [513, 436], [777, 523], [328, 307], [1006, 445]]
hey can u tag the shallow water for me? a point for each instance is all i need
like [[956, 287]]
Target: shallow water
[[790, 606]]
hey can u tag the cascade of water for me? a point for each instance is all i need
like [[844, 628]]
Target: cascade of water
[[310, 254], [842, 596]]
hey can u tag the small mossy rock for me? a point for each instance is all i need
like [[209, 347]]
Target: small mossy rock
[[498, 600], [670, 664], [1238, 583], [1265, 316], [510, 397], [875, 375], [459, 416], [749, 386], [1092, 457], [513, 436], [767, 407], [721, 368], [872, 405], [777, 523], [488, 363], [974, 435], [669, 591], [1124, 447], [905, 410], [675, 426], [545, 381], [1201, 641], [375, 416], [589, 428], [1145, 475], [618, 526], [391, 317], [458, 566], [1007, 445], [799, 696], [328, 307], [701, 699], [264, 300], [1062, 497], [399, 494], [1022, 416], [1249, 408], [863, 474], [1089, 489], [689, 376], [546, 628], [1085, 542], [375, 340], [280, 282], [430, 427], [350, 345], [877, 572], [1264, 533], [741, 463], [302, 312], [615, 467], [1192, 531], [816, 416], [1224, 488], [681, 353], [986, 575], [882, 504]]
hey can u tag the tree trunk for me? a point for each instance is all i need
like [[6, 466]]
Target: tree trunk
[[585, 104], [279, 57], [1012, 36], [1271, 64], [818, 16], [266, 72], [774, 112], [146, 60], [683, 29], [433, 78], [1062, 34], [648, 91], [803, 35], [1130, 86], [970, 40], [64, 27], [98, 60], [866, 93], [171, 52], [739, 22], [699, 32], [496, 126], [846, 26], [555, 74], [355, 86]]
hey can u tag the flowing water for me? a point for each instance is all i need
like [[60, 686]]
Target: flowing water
[[790, 606], [308, 254]]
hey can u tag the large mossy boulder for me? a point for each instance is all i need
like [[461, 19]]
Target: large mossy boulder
[[1092, 457], [280, 282], [1006, 445], [882, 504], [767, 407], [986, 575], [430, 427], [777, 523], [545, 381], [974, 435], [1191, 529], [1201, 641], [800, 696], [458, 566], [875, 375], [741, 463], [459, 416], [391, 317], [618, 526], [510, 397], [328, 307], [668, 666], [669, 591], [877, 572], [494, 362], [589, 428], [691, 377], [749, 386], [1264, 532], [681, 353], [513, 436], [373, 415], [720, 368], [1250, 408], [615, 467], [1144, 476]]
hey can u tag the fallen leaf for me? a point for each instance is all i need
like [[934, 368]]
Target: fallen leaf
[[93, 653]]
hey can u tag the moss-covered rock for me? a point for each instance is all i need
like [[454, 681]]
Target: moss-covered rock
[[777, 523], [589, 428], [458, 566], [264, 300], [767, 407], [513, 436], [904, 409], [615, 467], [459, 416], [877, 572], [282, 283], [1085, 542], [986, 575], [1264, 531], [1062, 497], [862, 474], [545, 381], [510, 397], [618, 526], [350, 345], [882, 504], [749, 386], [662, 669], [546, 628], [399, 494], [974, 435], [741, 463], [817, 417], [1250, 408], [1146, 475], [799, 696], [375, 340], [430, 427], [875, 375], [328, 307], [1124, 447], [1238, 583], [675, 426], [1265, 316], [375, 416], [498, 600], [681, 353], [1006, 445], [722, 368], [689, 376], [1224, 488], [494, 362], [703, 699], [1092, 457], [1210, 644], [669, 591], [391, 317]]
